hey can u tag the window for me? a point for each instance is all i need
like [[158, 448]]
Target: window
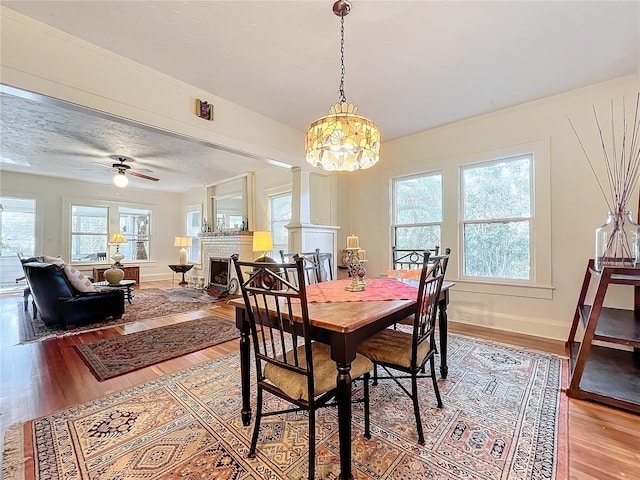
[[134, 225], [89, 233], [417, 211], [194, 222], [496, 218], [17, 226], [91, 226], [491, 207], [279, 216]]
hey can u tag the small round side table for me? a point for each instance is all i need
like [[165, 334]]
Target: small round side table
[[182, 269]]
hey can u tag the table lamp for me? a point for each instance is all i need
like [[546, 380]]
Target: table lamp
[[262, 242], [116, 239], [182, 242]]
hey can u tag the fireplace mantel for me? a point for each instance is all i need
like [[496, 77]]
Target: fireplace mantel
[[229, 233], [223, 245]]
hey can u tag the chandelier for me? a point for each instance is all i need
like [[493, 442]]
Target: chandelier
[[343, 140]]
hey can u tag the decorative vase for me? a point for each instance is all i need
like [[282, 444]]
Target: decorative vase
[[617, 241], [113, 275]]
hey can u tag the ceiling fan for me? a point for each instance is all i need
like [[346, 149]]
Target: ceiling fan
[[122, 169]]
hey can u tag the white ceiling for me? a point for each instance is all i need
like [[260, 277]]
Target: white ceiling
[[410, 65]]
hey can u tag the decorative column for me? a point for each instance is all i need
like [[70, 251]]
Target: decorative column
[[305, 236]]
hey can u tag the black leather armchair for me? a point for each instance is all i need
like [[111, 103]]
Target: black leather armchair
[[60, 304]]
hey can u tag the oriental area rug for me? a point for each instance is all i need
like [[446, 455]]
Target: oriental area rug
[[504, 418], [146, 303], [123, 354]]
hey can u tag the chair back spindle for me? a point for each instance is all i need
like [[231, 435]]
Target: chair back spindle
[[311, 267]]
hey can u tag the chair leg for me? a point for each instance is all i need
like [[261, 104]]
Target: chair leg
[[416, 408], [25, 297], [367, 423], [312, 444], [375, 374], [256, 426], [435, 381]]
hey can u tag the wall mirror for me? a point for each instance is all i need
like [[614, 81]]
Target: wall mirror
[[229, 213]]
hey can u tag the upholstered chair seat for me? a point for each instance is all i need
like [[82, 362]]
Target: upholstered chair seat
[[294, 385], [393, 347]]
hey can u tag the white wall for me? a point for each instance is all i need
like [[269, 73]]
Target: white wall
[[577, 206], [269, 182], [50, 193], [41, 59]]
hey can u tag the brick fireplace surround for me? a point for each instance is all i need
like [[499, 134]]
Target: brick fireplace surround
[[223, 245]]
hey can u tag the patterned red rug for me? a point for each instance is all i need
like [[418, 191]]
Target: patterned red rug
[[146, 303], [119, 355], [504, 417]]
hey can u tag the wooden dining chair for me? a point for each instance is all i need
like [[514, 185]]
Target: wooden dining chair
[[311, 263], [288, 364], [404, 354]]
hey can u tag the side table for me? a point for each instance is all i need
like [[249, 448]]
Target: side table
[[124, 285], [182, 269]]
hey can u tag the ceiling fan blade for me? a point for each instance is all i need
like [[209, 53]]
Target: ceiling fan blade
[[98, 164], [141, 175]]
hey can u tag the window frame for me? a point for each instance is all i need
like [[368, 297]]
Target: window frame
[[194, 252], [270, 197], [395, 226], [541, 286], [113, 227], [73, 233], [464, 222]]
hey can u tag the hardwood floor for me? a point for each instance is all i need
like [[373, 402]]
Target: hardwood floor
[[39, 378]]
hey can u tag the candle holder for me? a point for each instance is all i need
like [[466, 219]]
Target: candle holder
[[357, 271]]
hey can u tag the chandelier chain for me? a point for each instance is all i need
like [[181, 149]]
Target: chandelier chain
[[343, 98]]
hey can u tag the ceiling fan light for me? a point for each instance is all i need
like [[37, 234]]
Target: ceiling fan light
[[120, 180]]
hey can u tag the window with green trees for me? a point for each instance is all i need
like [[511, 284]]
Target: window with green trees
[[417, 211], [496, 218]]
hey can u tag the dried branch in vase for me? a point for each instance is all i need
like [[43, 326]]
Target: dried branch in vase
[[617, 242]]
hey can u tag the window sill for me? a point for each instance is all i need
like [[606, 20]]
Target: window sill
[[544, 292]]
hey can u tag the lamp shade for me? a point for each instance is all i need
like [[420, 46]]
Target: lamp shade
[[182, 242], [343, 140], [117, 238], [262, 242]]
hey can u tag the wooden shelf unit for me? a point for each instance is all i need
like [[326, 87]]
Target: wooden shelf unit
[[131, 272], [598, 372]]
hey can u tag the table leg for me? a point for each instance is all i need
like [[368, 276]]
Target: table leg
[[442, 326], [183, 282], [129, 294], [343, 398], [245, 370]]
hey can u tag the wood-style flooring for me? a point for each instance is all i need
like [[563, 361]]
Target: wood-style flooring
[[39, 378]]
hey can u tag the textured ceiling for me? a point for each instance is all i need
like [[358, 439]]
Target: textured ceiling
[[56, 139], [410, 65]]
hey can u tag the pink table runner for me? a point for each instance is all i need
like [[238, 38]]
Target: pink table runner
[[377, 289]]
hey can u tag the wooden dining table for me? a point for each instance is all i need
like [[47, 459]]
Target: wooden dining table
[[343, 325]]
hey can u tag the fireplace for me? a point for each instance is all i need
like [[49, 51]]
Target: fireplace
[[219, 272], [217, 248]]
